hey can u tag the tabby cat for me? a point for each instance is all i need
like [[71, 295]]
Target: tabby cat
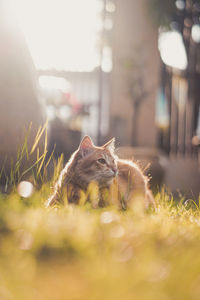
[[116, 178]]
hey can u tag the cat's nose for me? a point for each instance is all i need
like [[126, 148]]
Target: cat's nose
[[114, 170]]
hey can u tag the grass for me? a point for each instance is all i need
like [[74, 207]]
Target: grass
[[77, 252]]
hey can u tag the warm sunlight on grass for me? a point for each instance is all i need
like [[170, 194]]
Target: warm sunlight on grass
[[83, 253], [78, 252]]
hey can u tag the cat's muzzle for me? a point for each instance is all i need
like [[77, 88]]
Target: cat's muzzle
[[115, 172]]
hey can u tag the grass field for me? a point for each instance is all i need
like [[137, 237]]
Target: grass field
[[77, 252]]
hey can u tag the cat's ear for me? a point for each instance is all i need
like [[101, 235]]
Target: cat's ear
[[86, 146], [110, 145]]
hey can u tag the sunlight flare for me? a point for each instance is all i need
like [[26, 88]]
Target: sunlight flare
[[61, 34]]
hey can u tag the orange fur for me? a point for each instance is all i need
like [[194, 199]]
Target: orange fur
[[116, 178]]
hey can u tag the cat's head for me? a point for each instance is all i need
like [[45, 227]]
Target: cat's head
[[96, 163]]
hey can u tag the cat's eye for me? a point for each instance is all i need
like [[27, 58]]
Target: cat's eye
[[102, 160]]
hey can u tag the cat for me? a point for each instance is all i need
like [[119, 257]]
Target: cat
[[115, 178]]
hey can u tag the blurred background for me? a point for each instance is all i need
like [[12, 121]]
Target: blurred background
[[123, 68]]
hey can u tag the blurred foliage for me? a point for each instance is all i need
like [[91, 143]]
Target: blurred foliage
[[162, 11]]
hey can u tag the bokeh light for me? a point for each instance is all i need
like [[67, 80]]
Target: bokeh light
[[25, 189], [172, 49], [196, 33]]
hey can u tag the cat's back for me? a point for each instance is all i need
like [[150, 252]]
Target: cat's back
[[130, 177]]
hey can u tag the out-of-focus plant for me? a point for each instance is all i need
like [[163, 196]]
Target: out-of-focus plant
[[138, 90]]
